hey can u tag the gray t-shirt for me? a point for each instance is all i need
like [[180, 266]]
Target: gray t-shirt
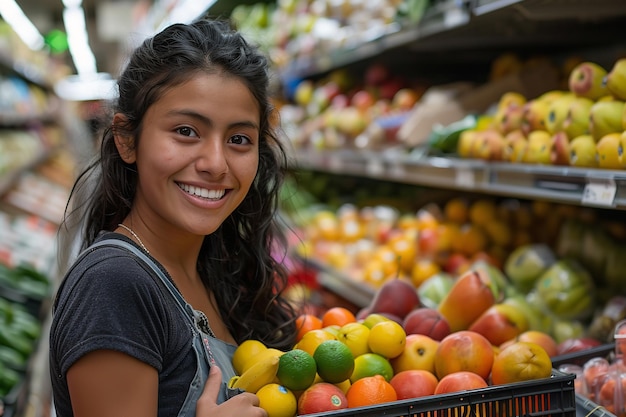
[[111, 300]]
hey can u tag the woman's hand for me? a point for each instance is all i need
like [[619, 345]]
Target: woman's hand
[[242, 405]]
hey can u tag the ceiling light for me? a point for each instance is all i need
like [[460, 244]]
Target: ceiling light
[[15, 17]]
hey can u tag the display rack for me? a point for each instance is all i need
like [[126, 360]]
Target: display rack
[[572, 185]]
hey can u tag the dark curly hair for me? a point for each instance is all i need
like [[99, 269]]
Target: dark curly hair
[[235, 261]]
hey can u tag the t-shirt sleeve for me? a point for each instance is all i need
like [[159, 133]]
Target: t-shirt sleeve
[[115, 304]]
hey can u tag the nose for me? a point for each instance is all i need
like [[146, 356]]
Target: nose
[[212, 158]]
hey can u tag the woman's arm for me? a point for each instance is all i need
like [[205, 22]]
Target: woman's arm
[[109, 383]]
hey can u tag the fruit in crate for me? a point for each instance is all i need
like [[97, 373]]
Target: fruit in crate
[[414, 383], [520, 361], [320, 398], [500, 323], [387, 338], [460, 381], [616, 79], [277, 400], [543, 339], [397, 297], [469, 297], [370, 364], [587, 80], [426, 321], [566, 290], [605, 117], [464, 350], [419, 353], [355, 336]]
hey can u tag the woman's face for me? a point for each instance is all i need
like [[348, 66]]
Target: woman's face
[[198, 153]]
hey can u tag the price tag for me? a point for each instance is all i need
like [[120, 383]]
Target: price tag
[[465, 178], [375, 167], [599, 192]]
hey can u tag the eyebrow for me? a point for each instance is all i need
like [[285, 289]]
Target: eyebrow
[[208, 121]]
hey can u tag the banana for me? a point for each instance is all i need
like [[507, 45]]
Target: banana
[[258, 375]]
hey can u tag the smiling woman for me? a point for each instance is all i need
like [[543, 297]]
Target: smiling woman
[[178, 222]]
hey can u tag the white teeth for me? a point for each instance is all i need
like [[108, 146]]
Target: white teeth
[[202, 192]]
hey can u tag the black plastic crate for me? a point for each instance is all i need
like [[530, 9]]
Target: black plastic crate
[[587, 408], [580, 357], [554, 397]]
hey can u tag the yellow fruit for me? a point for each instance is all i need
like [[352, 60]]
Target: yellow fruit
[[482, 211], [259, 357], [583, 152], [521, 361], [387, 339], [354, 336], [370, 364], [334, 361], [261, 373], [246, 350], [608, 151], [456, 210], [296, 369], [423, 269], [606, 117], [277, 400], [312, 339]]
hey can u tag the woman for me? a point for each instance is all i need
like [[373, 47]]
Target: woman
[[187, 178]]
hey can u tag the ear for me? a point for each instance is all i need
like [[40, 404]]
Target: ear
[[125, 144]]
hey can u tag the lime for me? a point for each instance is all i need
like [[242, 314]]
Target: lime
[[277, 400], [370, 364], [334, 360], [296, 369], [246, 350]]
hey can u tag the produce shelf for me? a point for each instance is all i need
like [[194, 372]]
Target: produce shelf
[[600, 188]]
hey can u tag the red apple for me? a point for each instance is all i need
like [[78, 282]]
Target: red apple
[[419, 353], [414, 383], [320, 398], [428, 321], [500, 323]]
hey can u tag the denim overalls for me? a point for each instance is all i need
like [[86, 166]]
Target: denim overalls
[[208, 349]]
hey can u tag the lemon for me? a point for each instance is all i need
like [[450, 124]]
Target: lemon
[[246, 350], [259, 357], [296, 369], [334, 361], [277, 400], [387, 338], [370, 364]]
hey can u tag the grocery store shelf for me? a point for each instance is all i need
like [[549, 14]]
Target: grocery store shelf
[[573, 185], [7, 179]]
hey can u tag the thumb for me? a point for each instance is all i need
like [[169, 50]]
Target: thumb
[[210, 393]]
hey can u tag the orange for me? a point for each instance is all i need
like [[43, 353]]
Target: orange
[[370, 390], [521, 361], [306, 322], [456, 210], [337, 316]]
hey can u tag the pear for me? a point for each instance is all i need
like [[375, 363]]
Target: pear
[[583, 152], [577, 120], [616, 79], [608, 151], [606, 117], [587, 80]]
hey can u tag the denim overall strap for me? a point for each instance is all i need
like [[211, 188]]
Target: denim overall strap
[[201, 340]]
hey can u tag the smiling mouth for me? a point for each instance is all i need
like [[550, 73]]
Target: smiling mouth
[[202, 192]]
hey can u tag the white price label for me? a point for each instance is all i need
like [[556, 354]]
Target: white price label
[[465, 178], [599, 192], [375, 167]]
